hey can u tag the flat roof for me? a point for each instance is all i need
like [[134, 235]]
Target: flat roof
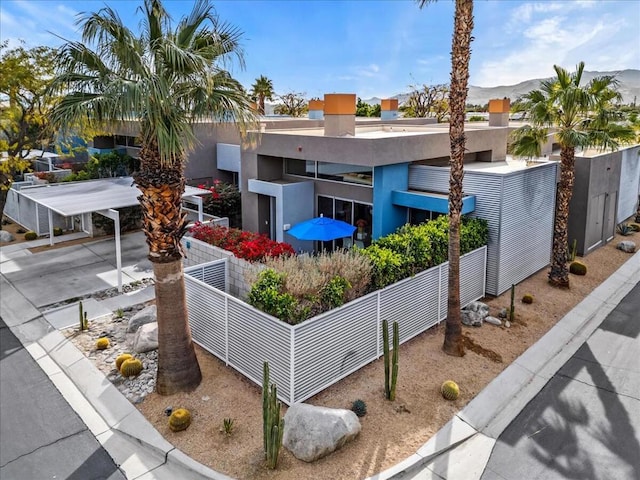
[[385, 130], [76, 198]]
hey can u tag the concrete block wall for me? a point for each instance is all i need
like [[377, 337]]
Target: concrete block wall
[[200, 252]]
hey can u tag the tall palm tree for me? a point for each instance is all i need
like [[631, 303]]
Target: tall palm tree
[[262, 90], [578, 116], [165, 79], [460, 56]]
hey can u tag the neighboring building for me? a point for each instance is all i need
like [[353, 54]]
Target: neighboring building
[[606, 190]]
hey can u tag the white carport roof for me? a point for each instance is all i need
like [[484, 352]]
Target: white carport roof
[[102, 196], [75, 198]]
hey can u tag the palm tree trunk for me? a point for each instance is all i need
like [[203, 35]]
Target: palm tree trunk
[[261, 104], [178, 368], [164, 224], [460, 54], [559, 273]]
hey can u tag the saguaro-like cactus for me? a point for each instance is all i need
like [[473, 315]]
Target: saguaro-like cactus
[[512, 310], [272, 423], [83, 317], [390, 365]]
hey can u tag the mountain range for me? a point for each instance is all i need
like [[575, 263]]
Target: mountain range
[[628, 86]]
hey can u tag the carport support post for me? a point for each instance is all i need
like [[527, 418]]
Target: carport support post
[[115, 216], [198, 201], [50, 215]]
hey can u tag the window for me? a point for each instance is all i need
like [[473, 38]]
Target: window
[[417, 216], [305, 168], [354, 213], [336, 172]]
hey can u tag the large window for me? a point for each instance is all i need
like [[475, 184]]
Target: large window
[[354, 213], [305, 168], [336, 172]]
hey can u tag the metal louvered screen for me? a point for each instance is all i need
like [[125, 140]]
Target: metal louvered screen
[[213, 273], [305, 359], [413, 303], [335, 344]]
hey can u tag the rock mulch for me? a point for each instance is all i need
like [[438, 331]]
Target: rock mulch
[[114, 327]]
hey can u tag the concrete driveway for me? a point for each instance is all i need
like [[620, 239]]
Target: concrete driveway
[[68, 272]]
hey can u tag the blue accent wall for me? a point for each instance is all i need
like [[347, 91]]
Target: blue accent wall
[[387, 217], [433, 202]]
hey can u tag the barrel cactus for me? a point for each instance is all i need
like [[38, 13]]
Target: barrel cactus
[[30, 235], [180, 419], [102, 343], [578, 268], [450, 390], [121, 358], [527, 298], [131, 367], [359, 408]]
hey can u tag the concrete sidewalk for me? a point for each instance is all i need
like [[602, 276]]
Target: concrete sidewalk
[[460, 450]]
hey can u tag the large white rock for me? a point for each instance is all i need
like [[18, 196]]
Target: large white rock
[[312, 432], [627, 246], [146, 338], [6, 236], [146, 315]]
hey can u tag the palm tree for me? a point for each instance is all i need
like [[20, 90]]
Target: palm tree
[[262, 90], [165, 79], [460, 55], [578, 117]]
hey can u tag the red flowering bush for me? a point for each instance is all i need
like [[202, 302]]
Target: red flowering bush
[[250, 246], [224, 200]]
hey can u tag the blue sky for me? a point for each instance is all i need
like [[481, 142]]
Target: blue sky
[[380, 47]]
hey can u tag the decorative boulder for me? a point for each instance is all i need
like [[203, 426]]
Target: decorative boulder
[[493, 320], [146, 315], [471, 319], [146, 338], [479, 307], [6, 236], [627, 246], [474, 314], [311, 432]]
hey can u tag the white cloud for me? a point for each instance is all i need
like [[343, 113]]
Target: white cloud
[[548, 35]]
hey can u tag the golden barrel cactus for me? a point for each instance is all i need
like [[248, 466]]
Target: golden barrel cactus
[[450, 390], [578, 268], [102, 343], [180, 419], [121, 358], [131, 367]]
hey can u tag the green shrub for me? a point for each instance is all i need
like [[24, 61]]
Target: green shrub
[[266, 295], [57, 231], [388, 266], [30, 235], [333, 293], [578, 268]]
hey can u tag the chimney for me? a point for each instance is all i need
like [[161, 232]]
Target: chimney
[[499, 112], [339, 114], [389, 109], [316, 109]]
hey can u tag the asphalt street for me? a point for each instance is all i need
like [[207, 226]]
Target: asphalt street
[[42, 436], [585, 423]]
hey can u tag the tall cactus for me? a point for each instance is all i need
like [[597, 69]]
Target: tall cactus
[[82, 317], [272, 424], [390, 365], [512, 309]]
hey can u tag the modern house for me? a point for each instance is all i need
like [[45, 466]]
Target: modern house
[[379, 174]]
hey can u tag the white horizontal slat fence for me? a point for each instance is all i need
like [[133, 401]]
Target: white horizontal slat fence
[[305, 359]]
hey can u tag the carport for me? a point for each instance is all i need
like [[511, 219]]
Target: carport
[[102, 196]]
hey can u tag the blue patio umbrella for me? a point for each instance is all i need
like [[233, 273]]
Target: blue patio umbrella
[[321, 228]]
